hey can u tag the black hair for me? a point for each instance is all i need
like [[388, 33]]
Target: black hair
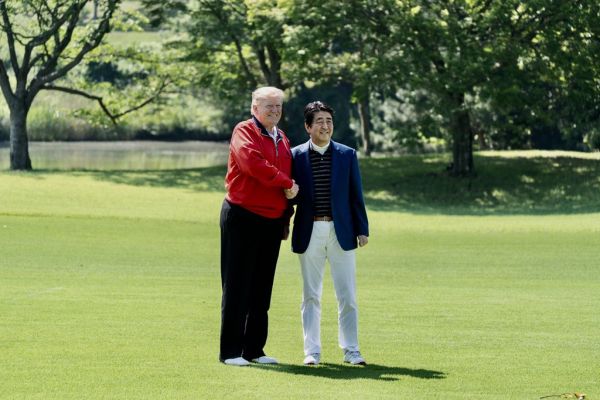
[[314, 107]]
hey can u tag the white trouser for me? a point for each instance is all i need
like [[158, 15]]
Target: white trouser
[[324, 246]]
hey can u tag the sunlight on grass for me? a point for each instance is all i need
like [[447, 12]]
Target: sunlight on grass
[[111, 289], [540, 153], [503, 183], [136, 38], [527, 179], [380, 195]]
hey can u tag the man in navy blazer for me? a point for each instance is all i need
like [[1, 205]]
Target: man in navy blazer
[[329, 222]]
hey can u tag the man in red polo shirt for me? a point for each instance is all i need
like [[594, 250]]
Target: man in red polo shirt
[[254, 219]]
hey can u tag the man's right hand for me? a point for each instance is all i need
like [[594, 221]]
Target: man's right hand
[[291, 192]]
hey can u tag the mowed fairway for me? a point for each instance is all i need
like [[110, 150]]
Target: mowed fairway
[[110, 289]]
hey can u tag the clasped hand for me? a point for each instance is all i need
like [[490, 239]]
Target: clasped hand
[[291, 192]]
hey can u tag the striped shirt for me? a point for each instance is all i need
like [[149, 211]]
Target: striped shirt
[[321, 170]]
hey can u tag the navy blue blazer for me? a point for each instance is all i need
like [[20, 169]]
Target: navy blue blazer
[[347, 203]]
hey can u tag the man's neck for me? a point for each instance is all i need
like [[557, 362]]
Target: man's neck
[[320, 149], [269, 128]]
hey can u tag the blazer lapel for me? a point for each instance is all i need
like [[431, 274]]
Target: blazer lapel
[[307, 169], [334, 166]]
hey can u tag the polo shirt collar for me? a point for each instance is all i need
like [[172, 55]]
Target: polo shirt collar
[[264, 130]]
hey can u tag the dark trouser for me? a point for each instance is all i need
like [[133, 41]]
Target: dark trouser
[[249, 251]]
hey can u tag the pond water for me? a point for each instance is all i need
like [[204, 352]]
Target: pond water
[[129, 155]]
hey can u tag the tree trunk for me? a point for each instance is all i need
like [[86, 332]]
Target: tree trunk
[[19, 144], [283, 122], [365, 125], [462, 140]]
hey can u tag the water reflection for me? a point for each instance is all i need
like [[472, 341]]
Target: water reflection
[[130, 155]]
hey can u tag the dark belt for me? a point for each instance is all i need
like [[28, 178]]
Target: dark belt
[[323, 219]]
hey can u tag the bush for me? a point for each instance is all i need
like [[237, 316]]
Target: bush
[[592, 139], [47, 125]]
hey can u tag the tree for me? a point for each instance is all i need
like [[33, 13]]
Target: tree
[[333, 42], [45, 40], [554, 94], [460, 50], [234, 45], [238, 45], [456, 65]]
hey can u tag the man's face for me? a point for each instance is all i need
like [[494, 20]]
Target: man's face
[[268, 111], [321, 129]]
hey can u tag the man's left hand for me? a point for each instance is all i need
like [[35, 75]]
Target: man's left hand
[[362, 240]]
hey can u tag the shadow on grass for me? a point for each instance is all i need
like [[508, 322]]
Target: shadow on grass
[[198, 179], [420, 184], [340, 371], [501, 186]]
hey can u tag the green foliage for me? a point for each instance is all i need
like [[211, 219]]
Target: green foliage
[[524, 72], [160, 14], [514, 67]]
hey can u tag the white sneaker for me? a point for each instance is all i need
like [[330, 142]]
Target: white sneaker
[[354, 358], [239, 362], [312, 359], [265, 360]]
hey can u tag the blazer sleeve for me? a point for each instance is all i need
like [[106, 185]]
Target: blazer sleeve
[[357, 202]]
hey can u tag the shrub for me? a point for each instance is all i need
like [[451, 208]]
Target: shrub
[[592, 139]]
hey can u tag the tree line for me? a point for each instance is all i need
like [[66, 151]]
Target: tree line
[[475, 73]]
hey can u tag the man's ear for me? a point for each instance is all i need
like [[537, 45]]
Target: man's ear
[[306, 127]]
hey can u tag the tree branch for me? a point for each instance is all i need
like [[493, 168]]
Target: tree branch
[[10, 36], [262, 61], [223, 20], [275, 61], [166, 82], [58, 23], [44, 76], [100, 100], [78, 92], [5, 84], [72, 16], [245, 67]]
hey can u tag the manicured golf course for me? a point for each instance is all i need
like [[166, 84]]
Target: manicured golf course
[[483, 288]]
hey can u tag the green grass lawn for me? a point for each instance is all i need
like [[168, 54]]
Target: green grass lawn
[[486, 288]]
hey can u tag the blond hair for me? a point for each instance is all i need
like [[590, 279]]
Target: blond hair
[[264, 93]]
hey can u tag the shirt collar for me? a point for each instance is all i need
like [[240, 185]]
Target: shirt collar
[[320, 149], [264, 130]]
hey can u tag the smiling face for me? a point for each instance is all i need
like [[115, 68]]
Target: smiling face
[[321, 129], [267, 109]]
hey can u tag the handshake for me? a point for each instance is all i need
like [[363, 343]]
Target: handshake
[[291, 192]]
